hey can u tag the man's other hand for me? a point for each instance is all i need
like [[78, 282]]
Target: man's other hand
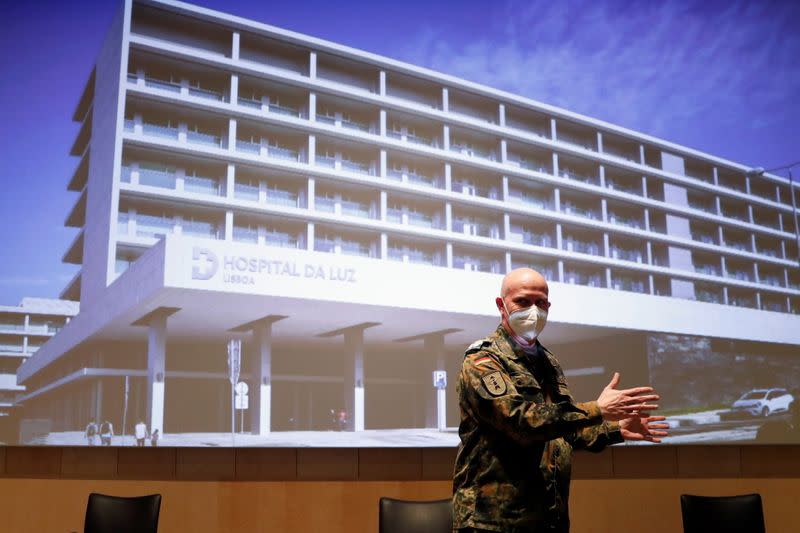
[[621, 404], [643, 427]]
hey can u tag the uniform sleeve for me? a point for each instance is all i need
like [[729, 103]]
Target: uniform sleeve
[[491, 396], [596, 438]]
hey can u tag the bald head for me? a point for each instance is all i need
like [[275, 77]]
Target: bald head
[[523, 278]]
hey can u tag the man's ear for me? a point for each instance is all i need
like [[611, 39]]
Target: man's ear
[[499, 303]]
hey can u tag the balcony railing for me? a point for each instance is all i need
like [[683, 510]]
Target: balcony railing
[[743, 246], [591, 180], [704, 238], [208, 94], [631, 222], [159, 130], [575, 245], [163, 85], [12, 327], [477, 229], [741, 275], [737, 215], [581, 142], [281, 152], [355, 209], [154, 177], [614, 185], [324, 203], [621, 154], [529, 164], [414, 256], [13, 348], [249, 147], [282, 197], [771, 252], [528, 199], [537, 239], [200, 228], [355, 248], [635, 256], [202, 185], [771, 280], [476, 264], [153, 226], [471, 189], [355, 125], [709, 270], [245, 234], [628, 284], [707, 296], [356, 166], [245, 191], [472, 151], [249, 102], [205, 138], [572, 209], [706, 207], [284, 110], [579, 278], [420, 219], [742, 301], [281, 239]]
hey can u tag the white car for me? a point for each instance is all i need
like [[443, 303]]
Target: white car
[[763, 402]]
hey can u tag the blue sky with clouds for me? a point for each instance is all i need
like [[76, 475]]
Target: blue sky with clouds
[[718, 76]]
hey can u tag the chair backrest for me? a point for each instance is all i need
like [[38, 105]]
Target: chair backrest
[[404, 516], [722, 514], [114, 514]]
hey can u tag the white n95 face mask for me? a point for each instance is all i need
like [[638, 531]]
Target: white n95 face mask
[[527, 323]]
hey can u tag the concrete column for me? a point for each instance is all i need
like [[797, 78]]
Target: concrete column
[[448, 177], [312, 65], [600, 142], [503, 150], [445, 100], [557, 199], [261, 390], [384, 206], [312, 106], [501, 116], [448, 216], [559, 239], [446, 137], [382, 83], [505, 189], [606, 245], [232, 134], [384, 246], [434, 351], [644, 186], [234, 94], [310, 237], [354, 379], [509, 263], [311, 192], [715, 176], [649, 253], [555, 164], [506, 226], [156, 357], [647, 219], [553, 132], [236, 38], [229, 225], [604, 209], [98, 402], [230, 181], [561, 271], [383, 163], [382, 125], [602, 172], [449, 254], [312, 149]]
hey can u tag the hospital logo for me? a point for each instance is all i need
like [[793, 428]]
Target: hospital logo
[[204, 263]]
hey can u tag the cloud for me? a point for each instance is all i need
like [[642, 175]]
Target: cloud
[[649, 66]]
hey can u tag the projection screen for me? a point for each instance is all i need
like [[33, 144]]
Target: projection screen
[[282, 241]]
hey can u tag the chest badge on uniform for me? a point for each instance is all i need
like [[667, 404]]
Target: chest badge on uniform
[[494, 383]]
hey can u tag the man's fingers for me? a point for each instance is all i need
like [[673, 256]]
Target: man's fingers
[[637, 408], [614, 381], [641, 399], [657, 418], [658, 426], [636, 391]]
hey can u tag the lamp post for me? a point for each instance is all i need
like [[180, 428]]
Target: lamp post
[[759, 171]]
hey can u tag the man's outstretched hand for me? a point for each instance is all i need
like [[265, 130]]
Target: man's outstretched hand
[[621, 404], [643, 427]]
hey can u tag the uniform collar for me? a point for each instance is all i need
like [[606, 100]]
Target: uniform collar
[[511, 348]]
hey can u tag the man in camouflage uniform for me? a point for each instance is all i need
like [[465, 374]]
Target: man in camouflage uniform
[[519, 422]]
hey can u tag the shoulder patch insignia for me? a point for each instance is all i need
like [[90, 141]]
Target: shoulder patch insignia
[[477, 345], [494, 383], [482, 360]]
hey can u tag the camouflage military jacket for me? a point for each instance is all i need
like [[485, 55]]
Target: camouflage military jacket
[[519, 425]]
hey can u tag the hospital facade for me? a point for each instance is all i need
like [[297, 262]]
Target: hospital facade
[[349, 217]]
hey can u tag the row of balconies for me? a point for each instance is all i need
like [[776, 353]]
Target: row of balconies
[[334, 157], [288, 193], [470, 145], [149, 223]]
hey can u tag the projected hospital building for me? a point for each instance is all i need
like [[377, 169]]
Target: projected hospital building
[[350, 217]]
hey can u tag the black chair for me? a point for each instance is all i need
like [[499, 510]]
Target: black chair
[[114, 514], [722, 514], [404, 516]]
